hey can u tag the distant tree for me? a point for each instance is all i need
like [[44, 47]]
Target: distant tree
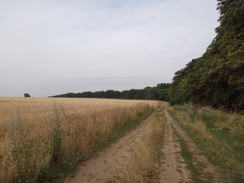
[[159, 92], [27, 95], [109, 94], [164, 94]]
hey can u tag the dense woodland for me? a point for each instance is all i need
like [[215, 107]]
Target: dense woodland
[[217, 78], [159, 92]]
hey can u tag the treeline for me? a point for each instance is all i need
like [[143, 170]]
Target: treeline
[[159, 92], [217, 78]]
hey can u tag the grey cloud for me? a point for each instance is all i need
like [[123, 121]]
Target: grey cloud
[[60, 40]]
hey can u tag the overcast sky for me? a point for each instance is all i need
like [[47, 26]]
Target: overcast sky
[[50, 47]]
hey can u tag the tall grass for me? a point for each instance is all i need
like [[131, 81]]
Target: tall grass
[[141, 165], [220, 136], [32, 151]]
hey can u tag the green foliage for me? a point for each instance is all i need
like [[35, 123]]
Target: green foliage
[[217, 78], [159, 92], [164, 94], [182, 95], [27, 95], [180, 90]]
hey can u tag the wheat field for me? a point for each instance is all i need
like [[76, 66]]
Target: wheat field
[[35, 109], [37, 134]]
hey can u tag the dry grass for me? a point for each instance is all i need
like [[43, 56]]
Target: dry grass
[[38, 133], [141, 165]]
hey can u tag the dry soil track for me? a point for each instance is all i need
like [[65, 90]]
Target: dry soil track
[[172, 167], [97, 169]]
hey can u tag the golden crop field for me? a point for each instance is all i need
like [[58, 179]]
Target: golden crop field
[[38, 133], [42, 106], [35, 108]]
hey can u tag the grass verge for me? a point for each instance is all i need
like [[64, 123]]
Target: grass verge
[[219, 135], [191, 162]]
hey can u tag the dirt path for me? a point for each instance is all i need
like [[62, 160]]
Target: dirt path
[[174, 167], [97, 169]]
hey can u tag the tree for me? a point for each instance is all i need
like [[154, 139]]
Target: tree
[[27, 95], [159, 92], [217, 79]]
